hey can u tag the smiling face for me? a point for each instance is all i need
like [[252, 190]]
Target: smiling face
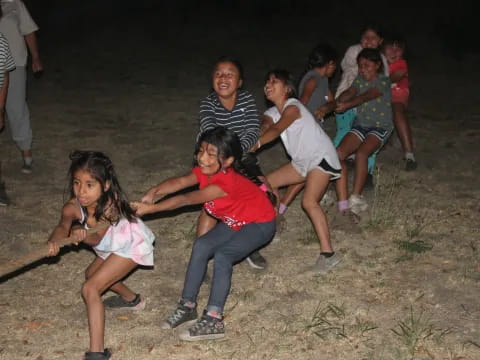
[[226, 80], [393, 53], [368, 69], [370, 40], [275, 89], [210, 160], [87, 189]]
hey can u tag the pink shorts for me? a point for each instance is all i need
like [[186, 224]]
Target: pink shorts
[[400, 96]]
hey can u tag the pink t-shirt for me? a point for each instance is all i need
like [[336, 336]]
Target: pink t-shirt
[[401, 65], [244, 203]]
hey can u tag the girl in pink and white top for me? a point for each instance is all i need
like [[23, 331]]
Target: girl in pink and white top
[[97, 196]]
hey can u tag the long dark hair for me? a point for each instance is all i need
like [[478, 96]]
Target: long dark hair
[[101, 169]]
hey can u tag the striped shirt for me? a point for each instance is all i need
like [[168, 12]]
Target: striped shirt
[[6, 59], [243, 119]]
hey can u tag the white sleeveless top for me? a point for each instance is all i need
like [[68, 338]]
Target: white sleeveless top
[[305, 141]]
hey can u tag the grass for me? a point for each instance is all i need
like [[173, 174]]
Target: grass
[[333, 321], [309, 236], [415, 329], [411, 248], [383, 204]]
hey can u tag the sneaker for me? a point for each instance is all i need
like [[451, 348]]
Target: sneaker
[[182, 315], [357, 204], [105, 355], [410, 165], [325, 264], [256, 260], [117, 302], [26, 168], [206, 328], [4, 200]]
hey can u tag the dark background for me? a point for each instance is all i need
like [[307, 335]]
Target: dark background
[[452, 23]]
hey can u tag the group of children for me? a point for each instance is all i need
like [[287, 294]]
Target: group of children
[[240, 203]]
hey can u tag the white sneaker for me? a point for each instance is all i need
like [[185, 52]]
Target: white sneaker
[[357, 204]]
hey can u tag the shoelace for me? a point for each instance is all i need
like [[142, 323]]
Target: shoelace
[[177, 315]]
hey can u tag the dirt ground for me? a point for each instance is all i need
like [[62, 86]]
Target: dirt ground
[[408, 286]]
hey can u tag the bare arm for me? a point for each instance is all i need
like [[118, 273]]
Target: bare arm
[[208, 193], [68, 216], [31, 40], [267, 121], [308, 90], [169, 186], [368, 95], [289, 115], [397, 75], [326, 108]]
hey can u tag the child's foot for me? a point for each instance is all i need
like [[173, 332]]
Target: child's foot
[[257, 261], [27, 165], [105, 355], [182, 315], [325, 264], [410, 165], [117, 302], [206, 328], [358, 204]]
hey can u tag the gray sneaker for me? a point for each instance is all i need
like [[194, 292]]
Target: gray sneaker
[[257, 261], [117, 302], [324, 264], [206, 328], [4, 200], [182, 315]]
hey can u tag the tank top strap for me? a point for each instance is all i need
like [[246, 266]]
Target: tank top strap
[[83, 220]]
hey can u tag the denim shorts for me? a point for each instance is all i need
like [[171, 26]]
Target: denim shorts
[[363, 132]]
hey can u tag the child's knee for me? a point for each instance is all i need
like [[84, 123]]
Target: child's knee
[[309, 204], [361, 156], [89, 289]]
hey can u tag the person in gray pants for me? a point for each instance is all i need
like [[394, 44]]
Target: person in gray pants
[[19, 29]]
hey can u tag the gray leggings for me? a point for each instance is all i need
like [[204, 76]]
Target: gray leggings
[[227, 247]]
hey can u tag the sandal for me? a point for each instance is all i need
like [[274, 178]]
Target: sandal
[[105, 355]]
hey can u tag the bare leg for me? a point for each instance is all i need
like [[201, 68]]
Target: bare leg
[[402, 126], [286, 175], [368, 147], [349, 144], [109, 272], [290, 194], [316, 185], [119, 287]]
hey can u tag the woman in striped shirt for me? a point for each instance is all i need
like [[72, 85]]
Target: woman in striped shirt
[[235, 109]]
